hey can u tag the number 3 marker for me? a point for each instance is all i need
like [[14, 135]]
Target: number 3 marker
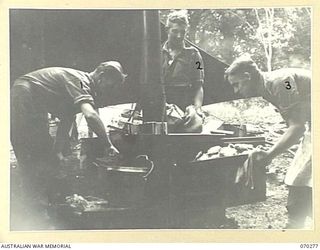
[[288, 86]]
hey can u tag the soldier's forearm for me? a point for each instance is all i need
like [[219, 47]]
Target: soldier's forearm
[[97, 127], [95, 123], [289, 138], [198, 99]]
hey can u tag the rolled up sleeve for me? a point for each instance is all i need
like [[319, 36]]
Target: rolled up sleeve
[[78, 93], [291, 104], [197, 72]]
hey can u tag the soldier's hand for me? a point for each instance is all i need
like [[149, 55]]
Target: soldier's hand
[[189, 114], [261, 158]]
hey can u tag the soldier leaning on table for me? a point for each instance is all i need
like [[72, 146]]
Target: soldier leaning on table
[[62, 92], [289, 89]]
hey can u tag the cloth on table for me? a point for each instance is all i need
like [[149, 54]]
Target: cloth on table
[[176, 121], [245, 172]]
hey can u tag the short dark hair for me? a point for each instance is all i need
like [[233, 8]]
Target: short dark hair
[[242, 64], [112, 68], [179, 17]]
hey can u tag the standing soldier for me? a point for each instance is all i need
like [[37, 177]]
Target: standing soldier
[[182, 69]]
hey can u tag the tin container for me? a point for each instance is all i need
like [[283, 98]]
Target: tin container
[[154, 128], [133, 129]]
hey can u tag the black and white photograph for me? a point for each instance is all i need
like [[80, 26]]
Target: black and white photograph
[[130, 119]]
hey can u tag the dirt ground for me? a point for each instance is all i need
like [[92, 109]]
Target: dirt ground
[[269, 214]]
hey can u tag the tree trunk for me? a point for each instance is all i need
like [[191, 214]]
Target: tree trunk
[[266, 41]]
